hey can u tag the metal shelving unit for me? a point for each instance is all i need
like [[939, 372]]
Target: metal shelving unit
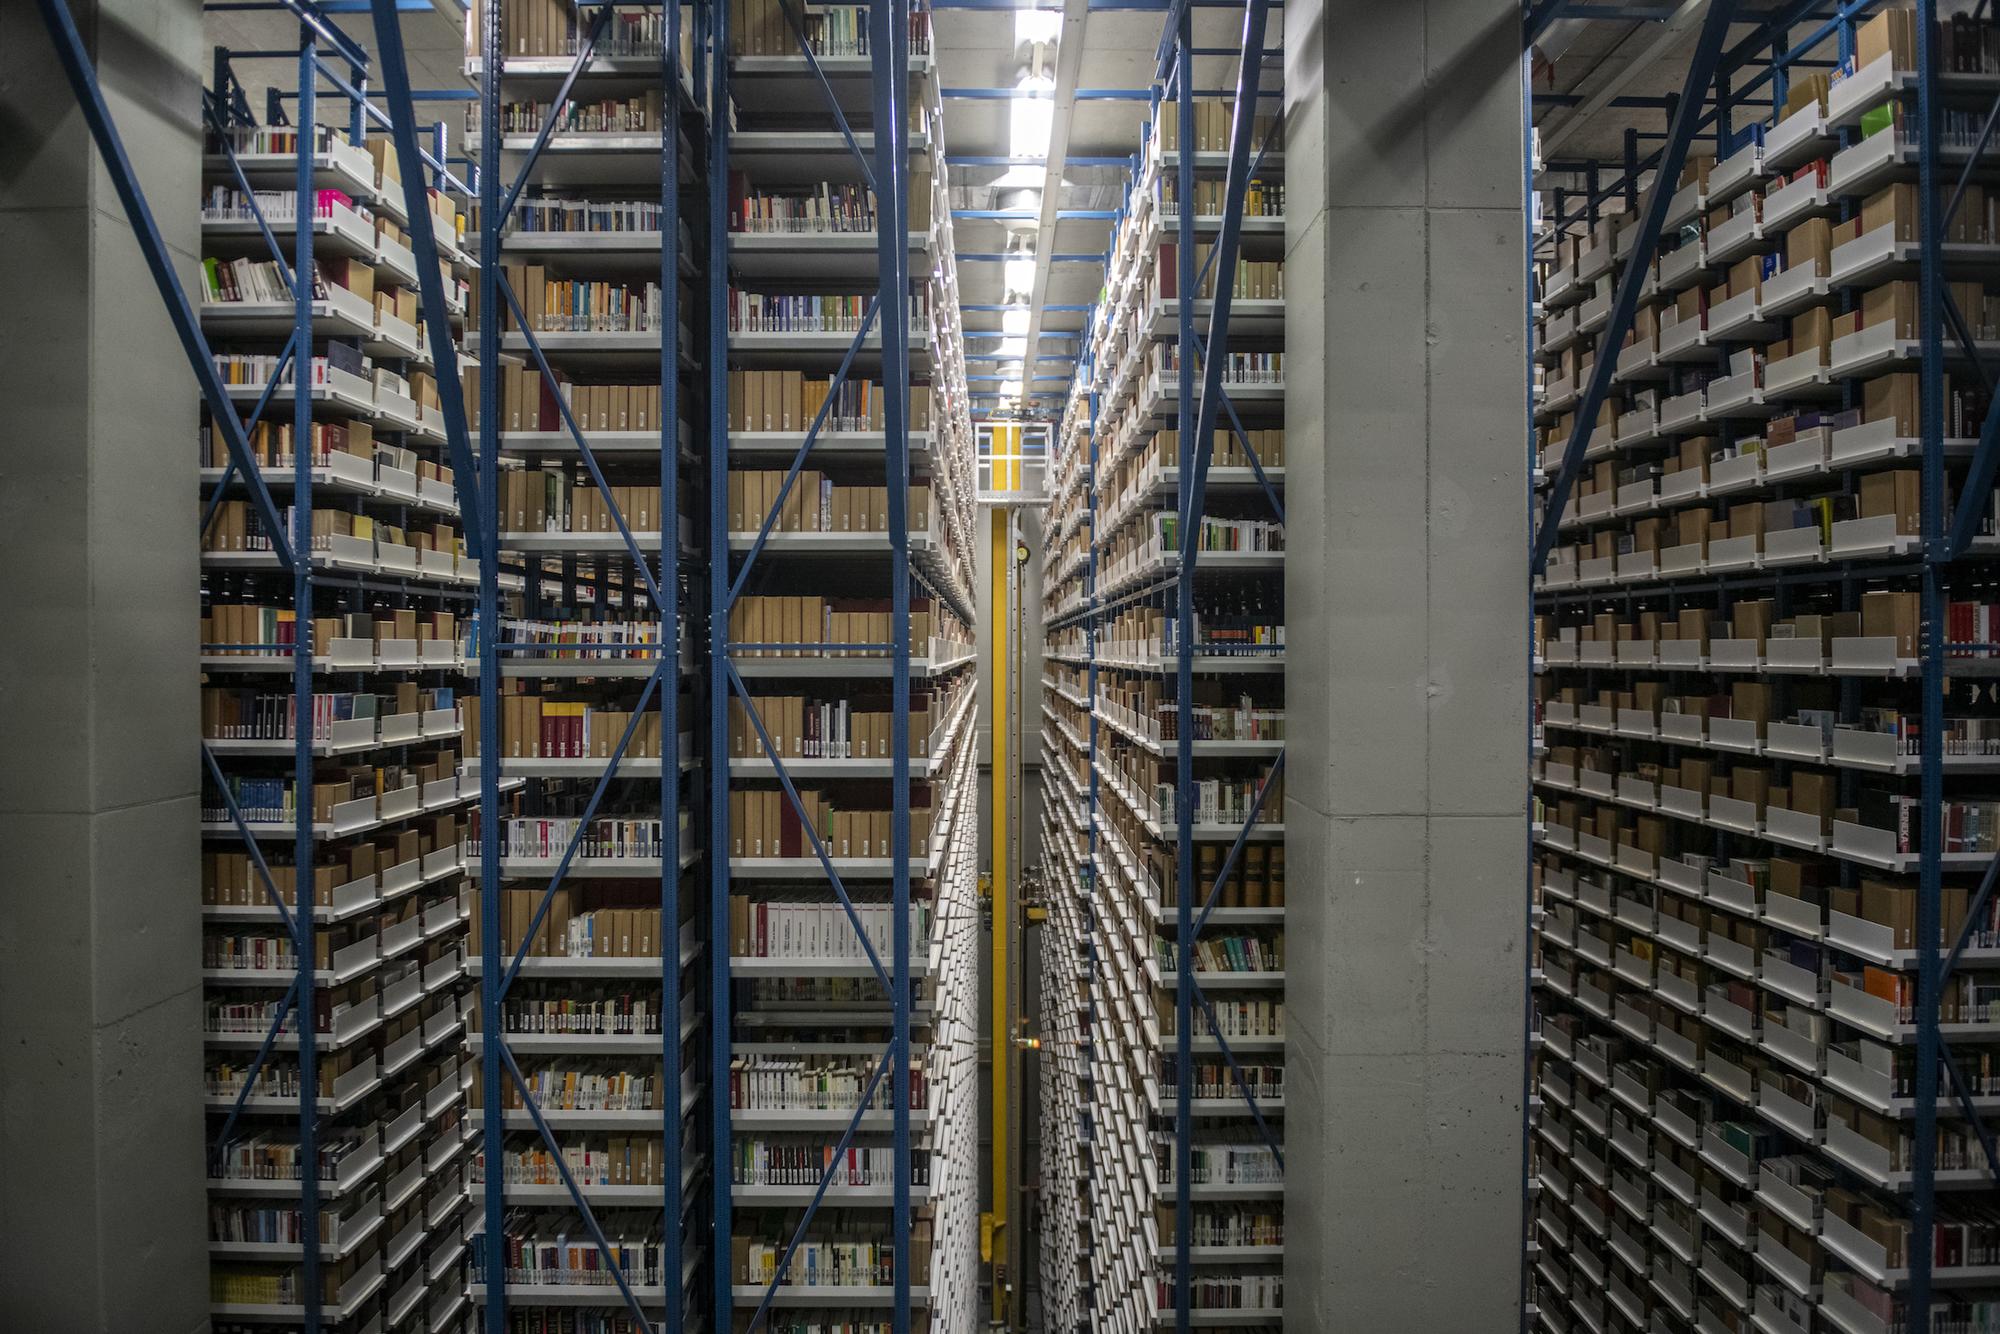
[[1148, 826], [346, 1000], [835, 1048], [589, 1107], [1763, 922]]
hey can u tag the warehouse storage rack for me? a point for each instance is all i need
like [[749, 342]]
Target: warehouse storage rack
[[1111, 1268], [1748, 1113], [860, 114], [378, 1267]]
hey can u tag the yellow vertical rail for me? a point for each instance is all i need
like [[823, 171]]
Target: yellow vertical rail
[[1001, 639]]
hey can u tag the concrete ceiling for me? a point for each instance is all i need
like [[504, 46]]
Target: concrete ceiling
[[1597, 60], [1096, 50], [433, 38]]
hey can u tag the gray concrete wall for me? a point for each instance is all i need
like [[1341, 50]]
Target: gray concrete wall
[[102, 1220], [1406, 592]]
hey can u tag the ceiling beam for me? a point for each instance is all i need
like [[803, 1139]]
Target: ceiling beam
[[1069, 66]]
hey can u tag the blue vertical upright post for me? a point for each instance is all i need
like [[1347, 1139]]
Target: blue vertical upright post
[[718, 648], [1184, 859], [889, 38], [306, 1008], [1930, 330], [670, 647], [493, 1131]]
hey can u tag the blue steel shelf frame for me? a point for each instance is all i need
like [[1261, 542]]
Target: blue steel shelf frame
[[1704, 106], [498, 969], [887, 315], [1198, 412], [320, 44]]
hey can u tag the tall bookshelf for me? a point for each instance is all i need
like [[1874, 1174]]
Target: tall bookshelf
[[592, 949], [1163, 750], [333, 898], [841, 689], [1763, 854]]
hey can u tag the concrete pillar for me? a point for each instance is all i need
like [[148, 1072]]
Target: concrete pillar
[[102, 1222], [1407, 665]]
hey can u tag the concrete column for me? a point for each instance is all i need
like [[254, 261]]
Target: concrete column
[[1407, 665], [102, 1222]]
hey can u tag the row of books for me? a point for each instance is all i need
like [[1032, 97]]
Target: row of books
[[578, 305], [273, 1155], [555, 1250], [1212, 118], [1227, 1225], [609, 635], [599, 1087], [1252, 279], [566, 932], [1243, 721], [540, 1007], [1245, 1292], [763, 1082], [262, 715], [535, 728], [642, 113], [814, 503], [539, 837], [804, 727], [619, 1160], [828, 207], [767, 312], [763, 822], [1247, 368], [1220, 1164], [1234, 1018], [529, 402], [1224, 800], [759, 1162], [791, 400], [853, 627], [820, 932], [818, 1264], [1238, 952], [1217, 534], [548, 500], [256, 368], [1218, 1079], [763, 28], [1264, 197], [267, 1223], [543, 213], [549, 28]]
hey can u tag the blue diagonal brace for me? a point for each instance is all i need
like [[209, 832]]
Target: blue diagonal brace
[[1963, 1092], [644, 566], [430, 284], [1977, 493], [249, 839], [1228, 244], [583, 824], [287, 1004], [551, 122], [742, 692], [1625, 305], [833, 103], [256, 414], [1236, 1073], [75, 60], [825, 1180], [1242, 835], [497, 1042], [805, 448]]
